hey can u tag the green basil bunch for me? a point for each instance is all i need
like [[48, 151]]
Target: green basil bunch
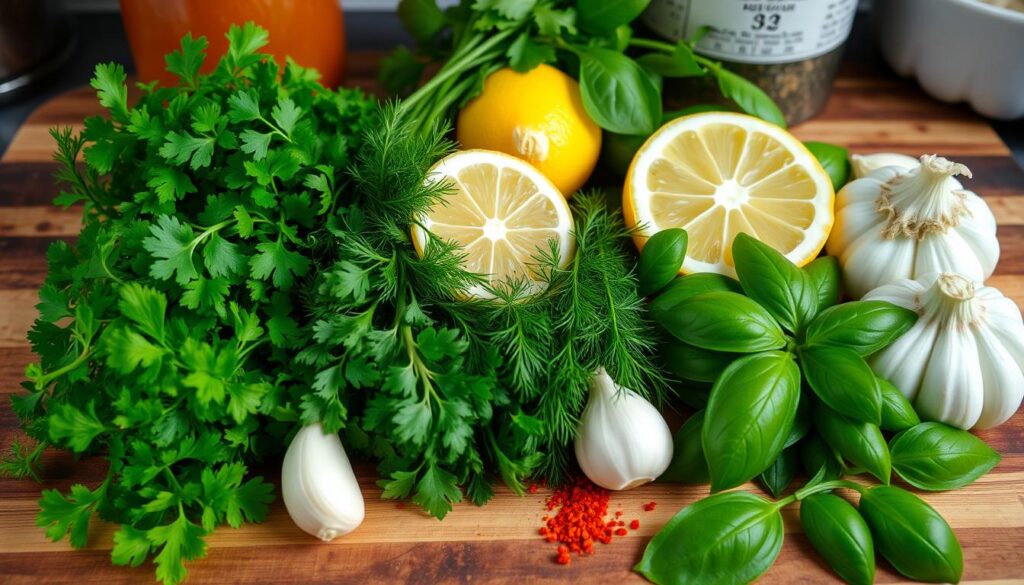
[[778, 367], [780, 353], [734, 537]]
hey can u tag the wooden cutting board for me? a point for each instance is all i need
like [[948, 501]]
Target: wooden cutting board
[[868, 112]]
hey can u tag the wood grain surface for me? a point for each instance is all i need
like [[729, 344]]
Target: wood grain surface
[[499, 543]]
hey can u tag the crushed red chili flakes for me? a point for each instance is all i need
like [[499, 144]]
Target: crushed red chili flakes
[[649, 506], [533, 488], [635, 524], [578, 520], [621, 532]]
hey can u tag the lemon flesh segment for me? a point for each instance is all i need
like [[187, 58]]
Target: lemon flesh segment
[[720, 174], [503, 213]]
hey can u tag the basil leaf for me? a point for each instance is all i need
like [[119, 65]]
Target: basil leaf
[[688, 464], [933, 456], [842, 380], [681, 63], [897, 412], [816, 456], [859, 443], [863, 326], [725, 538], [774, 282], [834, 159], [660, 260], [825, 276], [802, 422], [617, 93], [748, 96], [691, 285], [722, 321], [841, 536], [780, 473], [749, 415], [422, 18], [604, 16], [693, 363], [693, 394], [912, 536]]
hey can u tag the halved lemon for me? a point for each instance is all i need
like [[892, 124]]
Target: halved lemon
[[718, 174], [503, 212]]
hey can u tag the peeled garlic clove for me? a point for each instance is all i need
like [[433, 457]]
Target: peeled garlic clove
[[622, 441], [320, 489], [864, 164]]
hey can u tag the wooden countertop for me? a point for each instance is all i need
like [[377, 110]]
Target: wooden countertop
[[868, 112]]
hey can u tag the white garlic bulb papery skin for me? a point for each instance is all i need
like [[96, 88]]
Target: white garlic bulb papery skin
[[864, 164], [318, 485], [899, 223], [622, 441], [962, 363]]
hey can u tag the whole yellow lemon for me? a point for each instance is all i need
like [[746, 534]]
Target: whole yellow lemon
[[537, 116]]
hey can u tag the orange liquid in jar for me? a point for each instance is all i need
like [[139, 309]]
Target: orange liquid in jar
[[311, 32]]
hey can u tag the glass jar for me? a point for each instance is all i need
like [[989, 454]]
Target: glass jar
[[311, 32], [790, 48]]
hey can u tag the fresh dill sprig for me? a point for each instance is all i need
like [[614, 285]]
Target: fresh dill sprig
[[410, 383], [589, 314]]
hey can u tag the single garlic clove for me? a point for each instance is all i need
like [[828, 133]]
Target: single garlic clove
[[318, 485], [622, 441], [865, 164]]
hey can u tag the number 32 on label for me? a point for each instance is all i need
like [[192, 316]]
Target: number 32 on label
[[766, 22]]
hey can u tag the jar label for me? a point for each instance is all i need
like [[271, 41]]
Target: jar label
[[760, 32]]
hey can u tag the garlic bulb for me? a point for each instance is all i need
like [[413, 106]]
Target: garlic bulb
[[905, 223], [962, 363], [319, 488], [865, 164], [622, 441]]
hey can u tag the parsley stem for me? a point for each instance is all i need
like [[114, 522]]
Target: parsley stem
[[44, 381], [459, 64]]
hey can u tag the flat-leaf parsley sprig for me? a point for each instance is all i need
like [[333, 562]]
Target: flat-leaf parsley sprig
[[165, 333]]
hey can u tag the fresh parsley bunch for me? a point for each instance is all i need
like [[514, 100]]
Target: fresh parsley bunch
[[166, 332]]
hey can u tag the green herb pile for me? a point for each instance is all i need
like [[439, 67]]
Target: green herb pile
[[592, 40], [462, 388], [783, 360], [245, 267], [167, 333]]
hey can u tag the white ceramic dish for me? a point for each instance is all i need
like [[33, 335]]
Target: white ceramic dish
[[959, 50]]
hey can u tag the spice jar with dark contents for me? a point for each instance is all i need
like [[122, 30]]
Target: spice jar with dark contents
[[791, 48]]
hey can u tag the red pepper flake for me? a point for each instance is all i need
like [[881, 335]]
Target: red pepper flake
[[618, 514], [578, 520], [635, 524], [649, 506], [532, 489], [621, 523], [621, 532]]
